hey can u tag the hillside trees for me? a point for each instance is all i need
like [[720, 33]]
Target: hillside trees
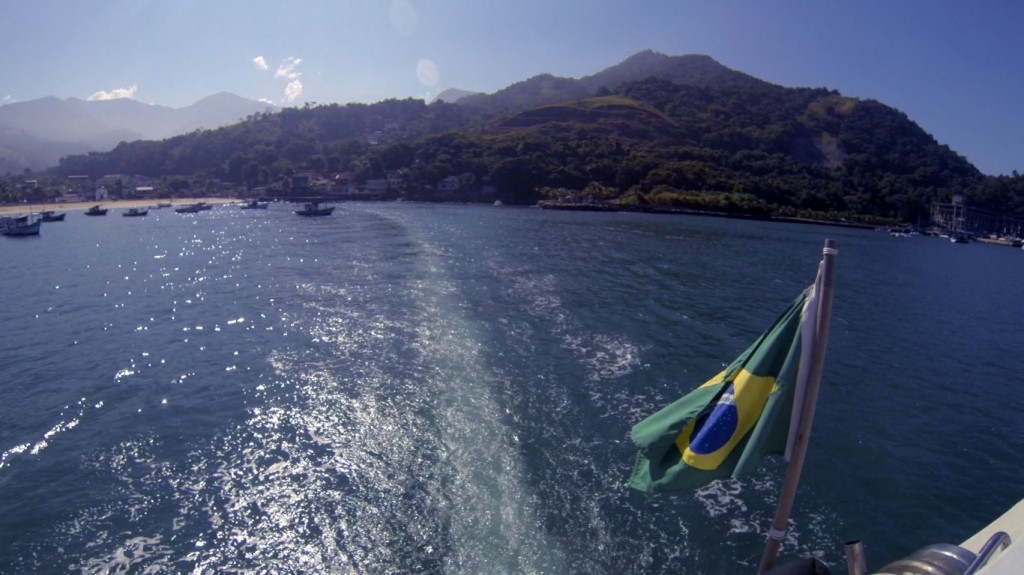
[[742, 145]]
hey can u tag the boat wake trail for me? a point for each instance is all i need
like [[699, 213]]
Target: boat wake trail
[[374, 443]]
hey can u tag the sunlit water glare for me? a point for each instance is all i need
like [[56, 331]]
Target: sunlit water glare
[[449, 389]]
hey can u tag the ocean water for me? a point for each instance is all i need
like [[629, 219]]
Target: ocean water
[[405, 388]]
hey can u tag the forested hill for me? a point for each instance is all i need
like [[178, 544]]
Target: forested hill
[[654, 129], [691, 70]]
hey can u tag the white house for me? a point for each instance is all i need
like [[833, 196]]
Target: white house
[[449, 184]]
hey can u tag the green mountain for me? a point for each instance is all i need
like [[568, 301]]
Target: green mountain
[[675, 131], [691, 70]]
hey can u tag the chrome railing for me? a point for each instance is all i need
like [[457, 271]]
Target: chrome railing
[[997, 542]]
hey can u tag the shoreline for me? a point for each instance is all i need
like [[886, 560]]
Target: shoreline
[[22, 209], [35, 208], [666, 210]]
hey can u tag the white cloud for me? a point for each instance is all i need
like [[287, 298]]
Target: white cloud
[[114, 94], [287, 70], [8, 99], [293, 90], [267, 101]]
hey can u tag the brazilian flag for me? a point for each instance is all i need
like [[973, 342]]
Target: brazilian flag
[[724, 427]]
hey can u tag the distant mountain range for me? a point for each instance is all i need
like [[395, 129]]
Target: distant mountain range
[[652, 130], [37, 133]]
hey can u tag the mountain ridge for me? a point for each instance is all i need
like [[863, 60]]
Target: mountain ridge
[[543, 89], [680, 131], [37, 133]]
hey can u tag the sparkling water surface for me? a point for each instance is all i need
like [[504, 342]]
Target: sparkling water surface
[[405, 388]]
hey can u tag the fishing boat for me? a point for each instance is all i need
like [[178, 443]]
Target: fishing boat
[[189, 209], [315, 209], [96, 211], [134, 212], [51, 216], [255, 205], [20, 226]]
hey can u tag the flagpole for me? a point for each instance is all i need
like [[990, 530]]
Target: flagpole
[[777, 532]]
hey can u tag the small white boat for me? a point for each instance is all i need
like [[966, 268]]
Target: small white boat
[[315, 209], [135, 212]]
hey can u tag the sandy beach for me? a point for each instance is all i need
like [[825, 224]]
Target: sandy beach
[[20, 209]]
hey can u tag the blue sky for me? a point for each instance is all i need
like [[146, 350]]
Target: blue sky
[[954, 67]]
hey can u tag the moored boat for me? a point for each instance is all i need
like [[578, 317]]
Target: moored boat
[[51, 216], [20, 226], [315, 209], [96, 210], [135, 212], [255, 205], [189, 209]]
